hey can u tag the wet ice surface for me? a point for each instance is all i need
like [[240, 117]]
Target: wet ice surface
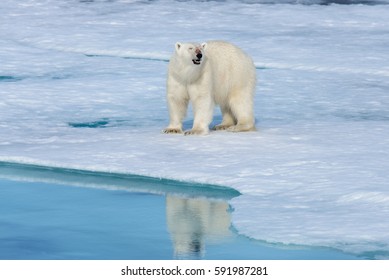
[[82, 86], [50, 213]]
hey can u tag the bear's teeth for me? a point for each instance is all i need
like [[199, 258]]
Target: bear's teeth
[[196, 61]]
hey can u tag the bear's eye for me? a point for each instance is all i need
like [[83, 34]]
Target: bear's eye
[[190, 48]]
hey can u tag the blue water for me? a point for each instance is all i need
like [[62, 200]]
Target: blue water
[[50, 213]]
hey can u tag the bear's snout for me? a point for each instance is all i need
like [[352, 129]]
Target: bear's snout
[[199, 55]]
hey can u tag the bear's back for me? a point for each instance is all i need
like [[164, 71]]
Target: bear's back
[[231, 67]]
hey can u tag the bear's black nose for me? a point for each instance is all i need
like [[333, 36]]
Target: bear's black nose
[[199, 55]]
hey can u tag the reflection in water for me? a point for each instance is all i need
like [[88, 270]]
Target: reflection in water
[[193, 221], [196, 214], [53, 224]]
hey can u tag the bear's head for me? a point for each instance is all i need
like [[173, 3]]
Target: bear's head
[[191, 52]]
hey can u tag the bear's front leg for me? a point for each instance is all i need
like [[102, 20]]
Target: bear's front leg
[[203, 106], [178, 100]]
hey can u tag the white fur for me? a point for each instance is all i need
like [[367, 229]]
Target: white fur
[[225, 76]]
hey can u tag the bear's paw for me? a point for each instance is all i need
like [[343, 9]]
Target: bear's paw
[[196, 132], [172, 131], [221, 127], [241, 128]]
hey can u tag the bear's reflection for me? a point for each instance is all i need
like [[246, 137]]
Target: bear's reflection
[[194, 221]]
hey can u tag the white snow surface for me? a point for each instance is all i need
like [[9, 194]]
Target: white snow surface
[[82, 85]]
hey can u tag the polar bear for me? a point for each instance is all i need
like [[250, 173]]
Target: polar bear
[[206, 74]]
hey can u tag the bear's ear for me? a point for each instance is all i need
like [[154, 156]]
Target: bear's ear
[[178, 46], [204, 45]]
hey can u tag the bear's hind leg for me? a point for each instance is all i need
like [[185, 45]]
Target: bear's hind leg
[[228, 119], [245, 123], [242, 109]]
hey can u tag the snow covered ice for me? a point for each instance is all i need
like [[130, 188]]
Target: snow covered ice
[[82, 85]]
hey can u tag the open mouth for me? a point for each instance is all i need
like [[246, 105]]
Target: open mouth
[[196, 61]]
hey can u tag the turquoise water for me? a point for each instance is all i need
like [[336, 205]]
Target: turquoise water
[[51, 213]]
